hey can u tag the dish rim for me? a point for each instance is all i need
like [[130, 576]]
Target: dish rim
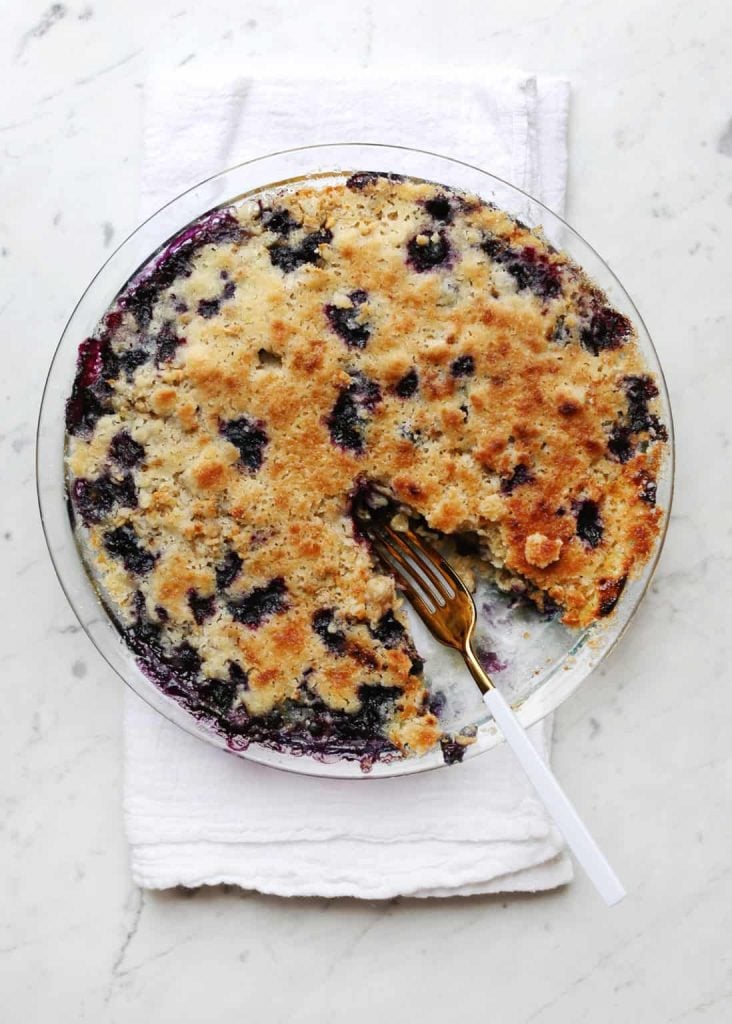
[[530, 710]]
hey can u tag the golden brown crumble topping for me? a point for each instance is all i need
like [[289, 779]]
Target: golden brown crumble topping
[[284, 352]]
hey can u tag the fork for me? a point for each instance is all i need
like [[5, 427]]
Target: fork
[[445, 605]]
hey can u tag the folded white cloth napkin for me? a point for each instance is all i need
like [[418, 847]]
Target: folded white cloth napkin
[[196, 815]]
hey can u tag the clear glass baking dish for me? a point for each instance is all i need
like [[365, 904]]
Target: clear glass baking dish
[[539, 664]]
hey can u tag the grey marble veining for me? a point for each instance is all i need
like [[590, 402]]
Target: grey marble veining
[[643, 748]]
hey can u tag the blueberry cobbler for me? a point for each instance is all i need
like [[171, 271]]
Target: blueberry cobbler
[[377, 338]]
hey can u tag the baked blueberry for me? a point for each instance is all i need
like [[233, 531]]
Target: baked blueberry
[[427, 250], [201, 607], [208, 308], [623, 439], [534, 270], [125, 450], [640, 390], [530, 268], [228, 570], [439, 208], [95, 499], [345, 422], [647, 488], [589, 523], [91, 394], [130, 359], [124, 544], [452, 751], [389, 631], [359, 181], [348, 419], [166, 343], [260, 603], [324, 625], [463, 366], [605, 330], [289, 257], [279, 220], [346, 321], [238, 675], [620, 442], [249, 438], [610, 591], [408, 384], [520, 475]]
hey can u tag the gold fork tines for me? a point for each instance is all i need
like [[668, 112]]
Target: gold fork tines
[[434, 589]]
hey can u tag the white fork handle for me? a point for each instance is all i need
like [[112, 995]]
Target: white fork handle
[[569, 823]]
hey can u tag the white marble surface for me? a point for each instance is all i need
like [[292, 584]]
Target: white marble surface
[[651, 186]]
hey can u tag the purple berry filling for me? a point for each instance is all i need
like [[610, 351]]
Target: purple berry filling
[[290, 257], [202, 607], [95, 499], [166, 343], [91, 393], [434, 253], [647, 488], [122, 543], [217, 695], [639, 392], [610, 591], [260, 603], [229, 569], [529, 268], [347, 419], [606, 329], [185, 661], [346, 324], [463, 366], [436, 704], [589, 524], [452, 751], [125, 451], [362, 179], [279, 220], [520, 475], [305, 726], [408, 384], [490, 660], [388, 631], [208, 308], [312, 727], [334, 639], [439, 208], [176, 261], [249, 438]]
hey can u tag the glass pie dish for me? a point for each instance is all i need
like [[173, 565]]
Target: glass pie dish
[[536, 661]]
